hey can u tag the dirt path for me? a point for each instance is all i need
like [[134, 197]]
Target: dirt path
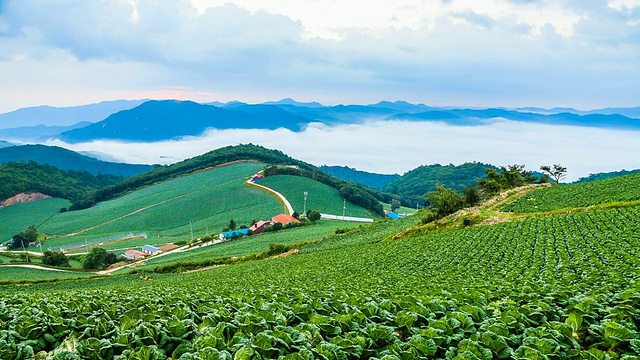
[[38, 267], [147, 208], [283, 200]]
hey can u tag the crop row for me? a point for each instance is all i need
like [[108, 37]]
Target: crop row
[[617, 189], [556, 287]]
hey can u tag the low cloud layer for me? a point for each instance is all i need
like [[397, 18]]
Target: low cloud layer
[[398, 146]]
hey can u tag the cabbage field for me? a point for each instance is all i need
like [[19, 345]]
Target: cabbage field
[[617, 189], [549, 287]]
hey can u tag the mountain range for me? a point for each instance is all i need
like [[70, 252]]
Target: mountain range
[[157, 120]]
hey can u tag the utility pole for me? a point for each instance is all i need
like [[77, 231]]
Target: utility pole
[[191, 227], [26, 252], [304, 212], [344, 207]]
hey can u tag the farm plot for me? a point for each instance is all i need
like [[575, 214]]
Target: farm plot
[[320, 197], [618, 189], [11, 273], [17, 218], [255, 244], [563, 286], [206, 199]]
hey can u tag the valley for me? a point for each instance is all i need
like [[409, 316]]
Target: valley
[[536, 271]]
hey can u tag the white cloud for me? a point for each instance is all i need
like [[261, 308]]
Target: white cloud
[[462, 52], [397, 147]]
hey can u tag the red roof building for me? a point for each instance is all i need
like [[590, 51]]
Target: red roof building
[[284, 219], [259, 227], [134, 254]]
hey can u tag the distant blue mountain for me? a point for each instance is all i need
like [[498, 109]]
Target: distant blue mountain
[[404, 106], [38, 132], [479, 117], [4, 144], [68, 160], [172, 119], [64, 116], [289, 101]]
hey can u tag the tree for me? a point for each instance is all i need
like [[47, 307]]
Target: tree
[[24, 238], [95, 259], [232, 225], [55, 258], [557, 172], [471, 195], [313, 215], [395, 204], [445, 201]]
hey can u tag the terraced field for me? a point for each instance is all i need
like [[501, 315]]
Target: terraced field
[[321, 197], [562, 286], [255, 244], [618, 189], [207, 199], [17, 218]]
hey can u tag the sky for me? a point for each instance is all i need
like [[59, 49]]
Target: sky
[[578, 53]]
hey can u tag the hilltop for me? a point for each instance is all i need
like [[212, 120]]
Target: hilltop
[[543, 284]]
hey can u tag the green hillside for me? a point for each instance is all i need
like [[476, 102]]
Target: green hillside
[[207, 199], [616, 189], [558, 286], [17, 218], [320, 197], [606, 175], [24, 177], [419, 181], [68, 160], [373, 180]]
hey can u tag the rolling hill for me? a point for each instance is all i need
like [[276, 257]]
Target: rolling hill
[[321, 197], [201, 201], [372, 180], [29, 177], [68, 160], [552, 286], [417, 182]]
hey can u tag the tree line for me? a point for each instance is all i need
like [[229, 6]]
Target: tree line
[[444, 201]]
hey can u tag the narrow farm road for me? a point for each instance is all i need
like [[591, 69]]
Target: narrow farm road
[[37, 267], [283, 200]]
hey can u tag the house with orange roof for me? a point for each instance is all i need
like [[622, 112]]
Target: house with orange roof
[[284, 219]]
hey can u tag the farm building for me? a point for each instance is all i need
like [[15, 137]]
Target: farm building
[[259, 227], [150, 250], [233, 233], [284, 219], [393, 215], [133, 254]]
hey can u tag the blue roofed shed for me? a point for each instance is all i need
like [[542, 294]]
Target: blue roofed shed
[[233, 233], [393, 215], [151, 250]]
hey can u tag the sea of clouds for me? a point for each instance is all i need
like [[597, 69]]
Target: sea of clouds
[[399, 146]]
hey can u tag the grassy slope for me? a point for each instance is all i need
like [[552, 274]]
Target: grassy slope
[[321, 197], [517, 282], [17, 218], [617, 189], [13, 273], [255, 244], [207, 199]]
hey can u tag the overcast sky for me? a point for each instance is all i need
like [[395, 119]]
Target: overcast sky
[[579, 53]]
